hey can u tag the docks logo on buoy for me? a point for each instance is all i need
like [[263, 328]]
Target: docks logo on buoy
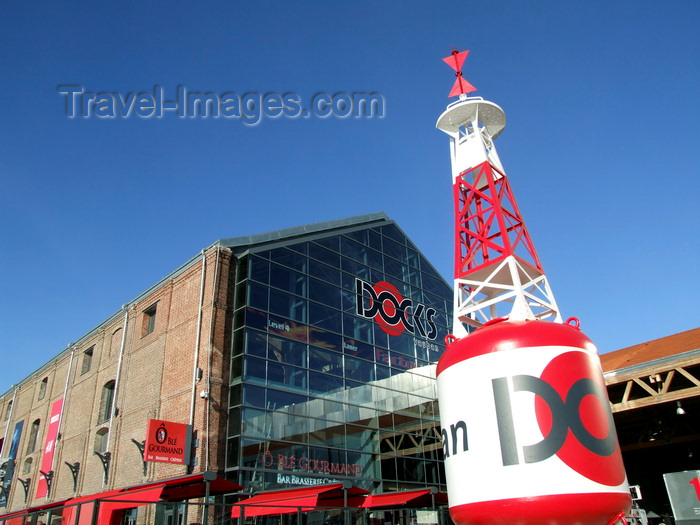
[[392, 312], [572, 413]]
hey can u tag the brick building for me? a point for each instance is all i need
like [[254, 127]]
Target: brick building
[[267, 347], [273, 351]]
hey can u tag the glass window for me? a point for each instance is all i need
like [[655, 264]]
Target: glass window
[[106, 402], [375, 240], [411, 275], [87, 360], [357, 328], [324, 293], [332, 243], [235, 395], [325, 361], [279, 398], [358, 437], [321, 383], [358, 369], [149, 320], [360, 236], [392, 231], [354, 348], [288, 280], [33, 435], [426, 267], [42, 389], [302, 247], [395, 250], [413, 258], [259, 270], [289, 258], [433, 284], [101, 440], [325, 317], [394, 268], [332, 258], [255, 369], [381, 338], [288, 306], [254, 396], [286, 375], [257, 296], [256, 343], [257, 422], [325, 272], [324, 339], [348, 294], [355, 269], [287, 351]]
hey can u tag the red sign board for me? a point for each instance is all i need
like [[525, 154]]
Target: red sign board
[[167, 442]]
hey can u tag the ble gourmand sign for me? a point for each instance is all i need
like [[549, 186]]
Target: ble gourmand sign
[[168, 442]]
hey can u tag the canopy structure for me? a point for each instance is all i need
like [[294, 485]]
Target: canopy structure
[[192, 486], [107, 506], [300, 499], [427, 497]]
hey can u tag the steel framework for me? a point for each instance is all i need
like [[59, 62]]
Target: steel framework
[[497, 271]]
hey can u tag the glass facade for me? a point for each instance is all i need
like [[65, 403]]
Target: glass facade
[[334, 343]]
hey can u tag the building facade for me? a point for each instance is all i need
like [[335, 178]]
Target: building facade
[[299, 357]]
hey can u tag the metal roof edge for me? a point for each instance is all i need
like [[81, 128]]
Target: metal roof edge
[[298, 231], [655, 362]]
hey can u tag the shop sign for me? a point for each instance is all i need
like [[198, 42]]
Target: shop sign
[[684, 492], [167, 442], [392, 312], [305, 464]]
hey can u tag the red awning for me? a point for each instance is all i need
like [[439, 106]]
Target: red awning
[[407, 498], [87, 508], [113, 501], [305, 499], [126, 500], [192, 486], [38, 508]]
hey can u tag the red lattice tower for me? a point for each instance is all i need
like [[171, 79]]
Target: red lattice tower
[[497, 270]]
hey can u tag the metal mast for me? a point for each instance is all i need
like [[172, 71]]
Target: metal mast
[[496, 269]]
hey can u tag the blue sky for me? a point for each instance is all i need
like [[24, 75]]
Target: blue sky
[[600, 147]]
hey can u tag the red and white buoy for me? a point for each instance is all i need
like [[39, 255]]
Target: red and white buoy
[[527, 431]]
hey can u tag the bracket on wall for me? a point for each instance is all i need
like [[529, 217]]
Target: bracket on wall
[[48, 476], [25, 485], [74, 470], [105, 459], [141, 445]]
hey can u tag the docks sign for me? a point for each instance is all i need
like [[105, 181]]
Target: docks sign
[[392, 312]]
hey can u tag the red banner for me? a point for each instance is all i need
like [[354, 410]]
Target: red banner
[[42, 488], [167, 442]]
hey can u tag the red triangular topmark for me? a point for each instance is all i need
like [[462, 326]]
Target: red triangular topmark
[[456, 59], [461, 87]]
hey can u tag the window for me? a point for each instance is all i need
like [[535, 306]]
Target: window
[[149, 320], [87, 360], [27, 466], [106, 402], [33, 435], [42, 388], [101, 440], [8, 411]]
